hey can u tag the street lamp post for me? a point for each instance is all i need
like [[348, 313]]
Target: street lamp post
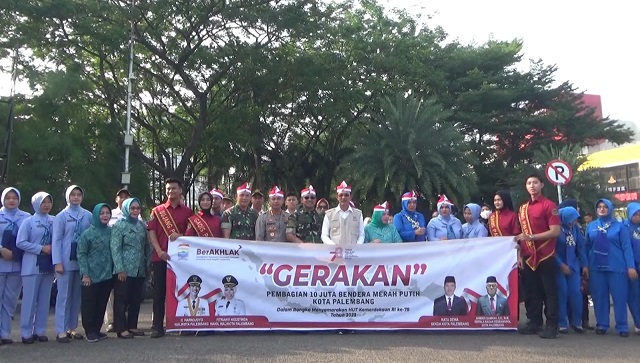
[[128, 137]]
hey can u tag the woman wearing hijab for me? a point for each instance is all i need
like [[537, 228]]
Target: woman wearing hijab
[[34, 238], [68, 225], [633, 225], [503, 221], [572, 262], [611, 265], [11, 217], [474, 227], [445, 226], [379, 230], [585, 284], [204, 223], [131, 254], [94, 260], [322, 205], [409, 222]]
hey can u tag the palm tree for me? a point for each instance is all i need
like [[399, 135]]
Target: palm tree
[[586, 186], [410, 144]]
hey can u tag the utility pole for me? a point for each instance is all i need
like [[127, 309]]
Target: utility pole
[[128, 137]]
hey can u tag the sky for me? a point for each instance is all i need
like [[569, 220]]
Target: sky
[[592, 43]]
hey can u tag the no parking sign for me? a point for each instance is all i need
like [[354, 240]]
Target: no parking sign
[[559, 172]]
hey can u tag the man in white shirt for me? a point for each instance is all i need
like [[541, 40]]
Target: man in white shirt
[[343, 225], [192, 304], [116, 213]]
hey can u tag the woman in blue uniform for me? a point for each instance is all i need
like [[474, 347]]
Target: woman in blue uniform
[[68, 225], [611, 266], [34, 238], [11, 217], [570, 256]]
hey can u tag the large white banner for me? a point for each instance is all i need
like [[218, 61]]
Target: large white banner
[[222, 284]]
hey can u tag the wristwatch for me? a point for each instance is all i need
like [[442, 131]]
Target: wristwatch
[[531, 238]]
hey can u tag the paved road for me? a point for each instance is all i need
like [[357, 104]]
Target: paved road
[[329, 347]]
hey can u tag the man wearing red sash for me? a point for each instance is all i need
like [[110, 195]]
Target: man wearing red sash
[[168, 222], [204, 223], [540, 226]]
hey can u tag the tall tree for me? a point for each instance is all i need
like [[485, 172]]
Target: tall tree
[[411, 144], [59, 140]]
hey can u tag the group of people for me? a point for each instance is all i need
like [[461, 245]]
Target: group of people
[[560, 262], [104, 256], [89, 254]]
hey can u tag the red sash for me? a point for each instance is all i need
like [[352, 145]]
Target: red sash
[[200, 226], [534, 252], [166, 221], [494, 224]]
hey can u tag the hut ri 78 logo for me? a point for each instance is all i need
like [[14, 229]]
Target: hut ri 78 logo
[[342, 253]]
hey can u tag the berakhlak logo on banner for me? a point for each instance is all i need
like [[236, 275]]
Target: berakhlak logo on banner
[[218, 253]]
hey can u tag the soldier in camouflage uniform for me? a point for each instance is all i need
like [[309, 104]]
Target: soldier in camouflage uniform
[[239, 221], [305, 224]]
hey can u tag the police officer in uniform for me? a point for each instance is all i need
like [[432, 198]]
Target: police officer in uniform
[[193, 305], [228, 304]]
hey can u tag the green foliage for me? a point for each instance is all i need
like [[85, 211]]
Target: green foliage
[[410, 144], [585, 186], [285, 93], [57, 143]]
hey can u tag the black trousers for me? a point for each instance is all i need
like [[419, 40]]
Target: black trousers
[[541, 290], [159, 281], [126, 305], [94, 303]]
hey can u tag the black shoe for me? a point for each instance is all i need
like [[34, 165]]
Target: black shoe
[[30, 340], [101, 335], [624, 334], [578, 329], [563, 330], [601, 331], [92, 337], [40, 338], [549, 333], [125, 336], [529, 329], [586, 326], [136, 333], [7, 341], [63, 339], [111, 329], [157, 334]]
